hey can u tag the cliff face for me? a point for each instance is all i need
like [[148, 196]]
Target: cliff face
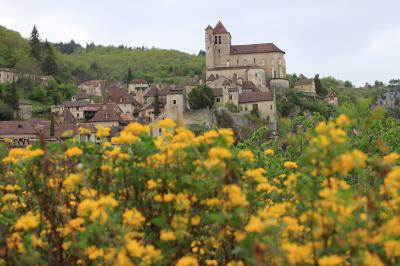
[[389, 99]]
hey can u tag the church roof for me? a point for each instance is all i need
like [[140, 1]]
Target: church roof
[[220, 28], [209, 28], [226, 83], [255, 48]]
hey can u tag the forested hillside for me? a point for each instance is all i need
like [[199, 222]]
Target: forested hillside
[[74, 63]]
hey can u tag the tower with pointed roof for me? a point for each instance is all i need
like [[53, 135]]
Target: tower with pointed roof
[[263, 63]]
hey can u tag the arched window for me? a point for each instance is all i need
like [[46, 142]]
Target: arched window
[[215, 39], [219, 39]]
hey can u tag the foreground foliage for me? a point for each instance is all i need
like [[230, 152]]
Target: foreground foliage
[[197, 200]]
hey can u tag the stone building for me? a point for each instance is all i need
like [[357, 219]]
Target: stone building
[[24, 109], [332, 99], [93, 87], [263, 64], [305, 85], [7, 75], [138, 88], [17, 133]]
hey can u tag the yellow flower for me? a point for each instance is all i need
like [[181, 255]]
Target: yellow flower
[[211, 263], [290, 165], [219, 153], [331, 260], [246, 154], [187, 261], [9, 197], [390, 158], [371, 259], [133, 218], [93, 252], [137, 129], [74, 151], [134, 248], [84, 131], [254, 225], [195, 220], [167, 236], [151, 184], [342, 120], [270, 152], [166, 123], [103, 132], [72, 180], [235, 196], [26, 222]]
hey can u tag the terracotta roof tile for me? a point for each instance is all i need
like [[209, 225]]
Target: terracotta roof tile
[[105, 116], [16, 128], [220, 28], [249, 97], [255, 48]]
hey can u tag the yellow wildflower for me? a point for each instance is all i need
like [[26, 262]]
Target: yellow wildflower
[[246, 154], [133, 218], [167, 236], [187, 261], [103, 132], [269, 152], [219, 153], [290, 165], [331, 260], [342, 120], [27, 221], [74, 151], [166, 123]]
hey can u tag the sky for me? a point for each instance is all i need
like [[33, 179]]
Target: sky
[[356, 40]]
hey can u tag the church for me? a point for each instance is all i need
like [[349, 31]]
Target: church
[[263, 64]]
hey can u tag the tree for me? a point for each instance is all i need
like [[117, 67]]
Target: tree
[[35, 44], [52, 126], [13, 97], [201, 97], [49, 65], [318, 86], [156, 104], [130, 76]]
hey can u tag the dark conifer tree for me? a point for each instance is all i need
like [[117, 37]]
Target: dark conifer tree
[[156, 104], [49, 65], [35, 44], [130, 76]]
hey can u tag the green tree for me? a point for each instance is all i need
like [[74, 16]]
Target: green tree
[[49, 65], [201, 97], [52, 126], [318, 86], [156, 104], [130, 76], [13, 97], [35, 44]]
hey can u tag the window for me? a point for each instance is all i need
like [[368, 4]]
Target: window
[[254, 60], [256, 74], [219, 39], [245, 108], [230, 96], [174, 101], [237, 62], [77, 115], [270, 107], [218, 100], [216, 75], [215, 39], [219, 50]]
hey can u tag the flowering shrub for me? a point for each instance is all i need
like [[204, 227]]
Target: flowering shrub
[[181, 199]]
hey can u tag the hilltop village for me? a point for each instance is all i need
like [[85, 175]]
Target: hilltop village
[[243, 79]]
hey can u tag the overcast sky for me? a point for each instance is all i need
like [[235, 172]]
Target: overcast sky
[[357, 40]]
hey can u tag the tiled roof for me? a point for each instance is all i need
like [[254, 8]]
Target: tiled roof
[[175, 90], [152, 92], [209, 28], [255, 48], [217, 92], [117, 95], [60, 129], [249, 97], [24, 102], [105, 116], [93, 82], [69, 118], [249, 85], [304, 81], [138, 81], [75, 103], [220, 28], [211, 78], [83, 95], [16, 128]]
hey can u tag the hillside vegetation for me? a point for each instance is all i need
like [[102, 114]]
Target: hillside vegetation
[[99, 62]]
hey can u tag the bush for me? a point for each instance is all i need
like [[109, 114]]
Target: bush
[[186, 200], [201, 97]]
